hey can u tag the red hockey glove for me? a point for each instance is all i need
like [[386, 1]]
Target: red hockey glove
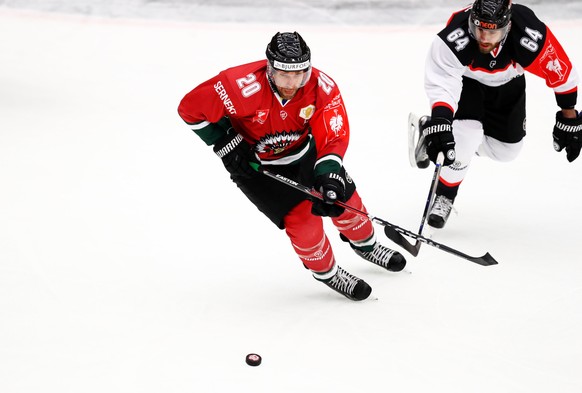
[[568, 134]]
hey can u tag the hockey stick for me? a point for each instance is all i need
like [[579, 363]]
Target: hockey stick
[[485, 260], [399, 239]]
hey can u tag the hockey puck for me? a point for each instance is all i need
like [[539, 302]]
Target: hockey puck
[[253, 359]]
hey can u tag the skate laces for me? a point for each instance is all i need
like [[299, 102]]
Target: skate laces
[[380, 255], [343, 281], [442, 206]]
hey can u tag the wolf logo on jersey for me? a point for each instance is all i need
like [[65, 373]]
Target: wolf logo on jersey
[[277, 142]]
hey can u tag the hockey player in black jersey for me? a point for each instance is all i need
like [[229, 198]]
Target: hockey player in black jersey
[[475, 83]]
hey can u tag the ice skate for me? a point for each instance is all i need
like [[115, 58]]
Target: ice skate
[[416, 146], [345, 283], [440, 212], [384, 257]]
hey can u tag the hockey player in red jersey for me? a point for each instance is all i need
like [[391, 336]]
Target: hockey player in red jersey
[[288, 116], [475, 83]]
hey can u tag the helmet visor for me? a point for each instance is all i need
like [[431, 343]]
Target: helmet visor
[[291, 79], [487, 32]]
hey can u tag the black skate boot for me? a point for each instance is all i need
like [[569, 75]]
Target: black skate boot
[[343, 282], [384, 257], [440, 211], [379, 255]]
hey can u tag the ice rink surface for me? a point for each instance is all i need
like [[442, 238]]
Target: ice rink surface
[[130, 263]]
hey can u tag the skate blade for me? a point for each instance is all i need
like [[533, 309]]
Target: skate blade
[[413, 135], [429, 231], [414, 156]]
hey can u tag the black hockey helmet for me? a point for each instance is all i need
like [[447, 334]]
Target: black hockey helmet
[[288, 52], [490, 14]]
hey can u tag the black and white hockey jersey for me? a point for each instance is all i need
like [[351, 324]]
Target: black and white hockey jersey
[[529, 46]]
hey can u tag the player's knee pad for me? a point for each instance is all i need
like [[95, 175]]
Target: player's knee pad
[[302, 226], [468, 135], [499, 151]]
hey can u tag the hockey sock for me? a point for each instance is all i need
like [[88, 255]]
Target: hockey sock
[[448, 191]]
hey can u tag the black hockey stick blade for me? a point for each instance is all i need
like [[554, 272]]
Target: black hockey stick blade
[[400, 240], [395, 234]]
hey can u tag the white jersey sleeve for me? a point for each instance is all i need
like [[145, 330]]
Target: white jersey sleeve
[[443, 79]]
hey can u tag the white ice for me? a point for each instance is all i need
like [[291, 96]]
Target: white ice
[[130, 263]]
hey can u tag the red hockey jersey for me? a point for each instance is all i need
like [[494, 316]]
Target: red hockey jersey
[[278, 130]]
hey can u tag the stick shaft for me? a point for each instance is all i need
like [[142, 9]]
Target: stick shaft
[[485, 260]]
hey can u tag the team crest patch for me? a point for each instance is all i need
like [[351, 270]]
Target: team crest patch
[[261, 116], [553, 67], [335, 120], [307, 112]]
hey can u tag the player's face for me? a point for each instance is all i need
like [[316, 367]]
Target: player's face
[[288, 82], [488, 39]]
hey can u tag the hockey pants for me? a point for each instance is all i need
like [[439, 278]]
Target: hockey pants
[[470, 140]]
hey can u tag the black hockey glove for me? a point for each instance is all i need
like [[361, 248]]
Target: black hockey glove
[[333, 188], [568, 134], [438, 137], [236, 154]]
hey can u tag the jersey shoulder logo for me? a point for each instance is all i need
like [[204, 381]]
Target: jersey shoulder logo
[[336, 123], [555, 69], [334, 115]]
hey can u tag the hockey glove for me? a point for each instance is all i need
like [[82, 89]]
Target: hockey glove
[[568, 134], [333, 188], [236, 154], [438, 137]]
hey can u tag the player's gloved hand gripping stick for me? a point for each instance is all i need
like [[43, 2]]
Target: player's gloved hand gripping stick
[[485, 260], [332, 189]]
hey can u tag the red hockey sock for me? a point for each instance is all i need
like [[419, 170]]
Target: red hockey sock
[[308, 238], [356, 228]]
